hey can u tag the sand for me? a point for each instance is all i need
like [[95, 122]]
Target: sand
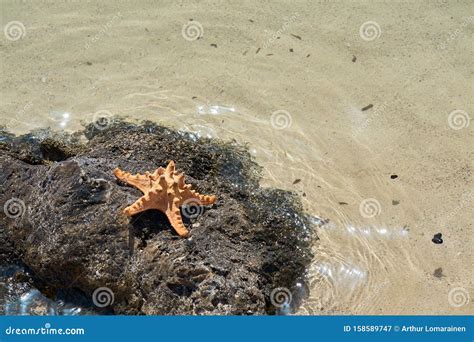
[[291, 80]]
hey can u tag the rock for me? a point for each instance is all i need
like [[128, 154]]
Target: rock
[[69, 230], [437, 238], [438, 273]]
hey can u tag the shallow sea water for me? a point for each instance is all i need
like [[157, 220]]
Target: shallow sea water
[[293, 81]]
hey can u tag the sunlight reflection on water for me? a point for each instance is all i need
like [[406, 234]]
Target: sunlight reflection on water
[[18, 297]]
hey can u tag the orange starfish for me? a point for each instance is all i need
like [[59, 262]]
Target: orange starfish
[[164, 190]]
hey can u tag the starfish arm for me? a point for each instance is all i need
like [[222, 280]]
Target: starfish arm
[[141, 182], [158, 172], [138, 206], [206, 200], [170, 168], [174, 216], [202, 199]]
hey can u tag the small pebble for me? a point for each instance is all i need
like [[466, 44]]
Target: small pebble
[[437, 239], [394, 176], [438, 273], [296, 181], [367, 107], [395, 202]]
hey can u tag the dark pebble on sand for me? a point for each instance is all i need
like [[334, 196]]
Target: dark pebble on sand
[[354, 58], [438, 273], [296, 181], [291, 50], [393, 176], [89, 63], [296, 36], [395, 202], [367, 107], [343, 203], [437, 239], [214, 45]]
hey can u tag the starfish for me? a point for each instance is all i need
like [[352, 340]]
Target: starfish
[[164, 190]]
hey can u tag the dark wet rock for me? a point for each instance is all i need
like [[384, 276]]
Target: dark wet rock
[[437, 238], [7, 249], [69, 230]]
